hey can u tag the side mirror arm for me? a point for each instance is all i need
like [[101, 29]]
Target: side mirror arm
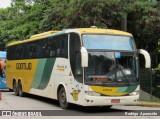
[[146, 56], [84, 57]]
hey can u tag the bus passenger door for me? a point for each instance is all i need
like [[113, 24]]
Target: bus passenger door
[[78, 68], [76, 80]]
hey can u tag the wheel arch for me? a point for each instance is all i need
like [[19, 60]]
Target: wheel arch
[[13, 81], [65, 87], [19, 80]]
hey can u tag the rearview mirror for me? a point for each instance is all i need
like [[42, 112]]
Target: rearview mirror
[[84, 57], [146, 56]]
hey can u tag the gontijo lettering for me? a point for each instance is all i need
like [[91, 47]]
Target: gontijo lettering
[[23, 66]]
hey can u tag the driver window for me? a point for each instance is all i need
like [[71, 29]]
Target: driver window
[[79, 71], [75, 57]]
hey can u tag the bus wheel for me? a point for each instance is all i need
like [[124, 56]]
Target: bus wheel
[[107, 107], [63, 98], [15, 88], [20, 90], [10, 90]]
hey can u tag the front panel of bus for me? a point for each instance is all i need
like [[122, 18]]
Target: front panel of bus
[[112, 73]]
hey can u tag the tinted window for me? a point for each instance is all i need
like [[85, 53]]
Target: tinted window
[[75, 57], [108, 42], [44, 48]]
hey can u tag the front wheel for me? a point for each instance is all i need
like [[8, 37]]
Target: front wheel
[[10, 90], [63, 99], [107, 107]]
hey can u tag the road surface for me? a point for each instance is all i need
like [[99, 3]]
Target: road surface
[[51, 107]]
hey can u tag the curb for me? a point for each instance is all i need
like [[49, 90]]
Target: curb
[[147, 104]]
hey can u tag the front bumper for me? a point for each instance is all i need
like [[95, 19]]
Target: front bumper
[[105, 100]]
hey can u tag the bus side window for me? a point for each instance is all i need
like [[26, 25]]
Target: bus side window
[[10, 52], [51, 45], [46, 49], [21, 52], [39, 48], [62, 46], [60, 52], [17, 52], [32, 50]]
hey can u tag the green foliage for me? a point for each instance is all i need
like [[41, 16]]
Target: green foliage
[[158, 68], [144, 24], [21, 20], [87, 13]]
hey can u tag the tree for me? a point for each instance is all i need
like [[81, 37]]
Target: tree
[[144, 24], [21, 20]]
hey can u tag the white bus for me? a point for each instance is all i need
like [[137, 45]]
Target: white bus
[[83, 66]]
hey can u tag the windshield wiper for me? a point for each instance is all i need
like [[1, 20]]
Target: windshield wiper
[[124, 75]]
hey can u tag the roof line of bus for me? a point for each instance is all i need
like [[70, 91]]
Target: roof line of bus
[[76, 30], [36, 37]]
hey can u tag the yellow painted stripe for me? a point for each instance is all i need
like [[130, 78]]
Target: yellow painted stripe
[[111, 91]]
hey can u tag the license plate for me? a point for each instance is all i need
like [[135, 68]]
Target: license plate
[[115, 101]]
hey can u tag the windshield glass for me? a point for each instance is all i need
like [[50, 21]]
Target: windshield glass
[[111, 67], [109, 42]]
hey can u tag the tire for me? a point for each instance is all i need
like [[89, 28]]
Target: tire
[[20, 90], [10, 90], [107, 107], [15, 88], [63, 99]]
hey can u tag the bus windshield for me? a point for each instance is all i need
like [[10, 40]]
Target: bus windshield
[[109, 42], [111, 67]]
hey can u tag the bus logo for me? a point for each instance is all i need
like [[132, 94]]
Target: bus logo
[[61, 67], [75, 95], [23, 66]]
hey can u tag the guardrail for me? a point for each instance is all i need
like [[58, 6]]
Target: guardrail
[[150, 83]]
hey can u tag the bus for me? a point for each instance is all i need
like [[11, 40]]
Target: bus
[[83, 66], [2, 70]]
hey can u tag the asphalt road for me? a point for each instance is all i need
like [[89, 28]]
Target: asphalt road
[[51, 107]]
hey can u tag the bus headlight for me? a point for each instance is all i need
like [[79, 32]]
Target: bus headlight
[[134, 93], [92, 93]]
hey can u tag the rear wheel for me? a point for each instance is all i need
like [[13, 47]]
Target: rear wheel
[[63, 98], [15, 88], [10, 90], [20, 90]]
